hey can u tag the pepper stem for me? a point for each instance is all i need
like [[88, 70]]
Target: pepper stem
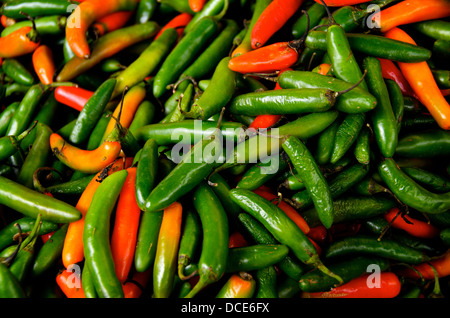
[[297, 44]]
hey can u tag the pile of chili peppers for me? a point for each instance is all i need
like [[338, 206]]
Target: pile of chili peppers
[[225, 149]]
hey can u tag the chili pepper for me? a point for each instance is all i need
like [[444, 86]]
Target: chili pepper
[[278, 224], [70, 284], [184, 105], [88, 284], [426, 144], [35, 9], [409, 192], [428, 179], [375, 46], [338, 185], [178, 23], [254, 257], [73, 251], [315, 281], [410, 11], [111, 22], [84, 16], [72, 96], [17, 71], [384, 123], [421, 79], [266, 282], [212, 8], [20, 42], [189, 242], [362, 149], [147, 62], [144, 116], [196, 5], [308, 20], [368, 186], [397, 102], [178, 5], [436, 29], [239, 285], [258, 233], [206, 62], [23, 262], [145, 10], [237, 240], [183, 54], [309, 172], [214, 249], [146, 171], [340, 3], [369, 245], [442, 78], [392, 72], [274, 16], [45, 26], [98, 251], [6, 116], [31, 203], [355, 100], [389, 287], [246, 45], [350, 208], [412, 226], [107, 46], [11, 287], [43, 64], [50, 252], [123, 239], [37, 156], [145, 253], [10, 145], [165, 266]]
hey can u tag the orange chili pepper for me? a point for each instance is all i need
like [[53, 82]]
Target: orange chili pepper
[[126, 225], [289, 210], [239, 285], [73, 96], [87, 13], [196, 5], [20, 42], [70, 284], [440, 264], [6, 22], [178, 22], [73, 251], [272, 19], [237, 240], [390, 71], [125, 112], [421, 80], [43, 64], [411, 11], [133, 288], [111, 22], [412, 226], [360, 287], [324, 68]]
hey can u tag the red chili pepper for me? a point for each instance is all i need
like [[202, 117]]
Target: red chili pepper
[[319, 234], [43, 64], [440, 264], [20, 42], [272, 19], [70, 284], [178, 22], [126, 225], [46, 237], [237, 240], [196, 5], [421, 80], [363, 287], [133, 288], [412, 226], [72, 96], [392, 72], [111, 22]]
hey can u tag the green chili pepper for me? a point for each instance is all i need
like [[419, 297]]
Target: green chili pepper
[[184, 105], [37, 156], [325, 143], [214, 249], [280, 226], [397, 102], [17, 71], [309, 172], [368, 245], [338, 185], [91, 112], [316, 281], [433, 181], [436, 29], [146, 240], [145, 10], [312, 18], [87, 283], [50, 252], [14, 9], [255, 257], [147, 169], [368, 186], [6, 116], [147, 62], [288, 288], [10, 145], [183, 54], [189, 243], [375, 46], [144, 116], [362, 149], [72, 187], [96, 233], [384, 123], [355, 100], [214, 8], [219, 92], [266, 282], [10, 286], [45, 25], [442, 78], [425, 144]]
